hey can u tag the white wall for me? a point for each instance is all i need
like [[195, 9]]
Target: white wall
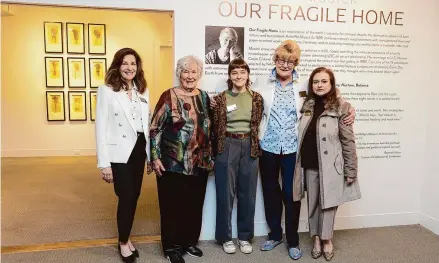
[[26, 132], [394, 192], [429, 216]]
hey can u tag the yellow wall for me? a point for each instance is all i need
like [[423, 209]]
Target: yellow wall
[[25, 130]]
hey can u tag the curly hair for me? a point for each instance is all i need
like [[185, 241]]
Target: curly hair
[[114, 79], [289, 49]]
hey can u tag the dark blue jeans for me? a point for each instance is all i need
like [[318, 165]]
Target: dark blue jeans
[[275, 197]]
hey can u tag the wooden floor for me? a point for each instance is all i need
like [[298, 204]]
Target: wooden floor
[[76, 244]]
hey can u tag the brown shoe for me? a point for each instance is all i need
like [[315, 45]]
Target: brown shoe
[[328, 255], [316, 253]]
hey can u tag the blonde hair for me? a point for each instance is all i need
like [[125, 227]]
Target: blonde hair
[[287, 50]]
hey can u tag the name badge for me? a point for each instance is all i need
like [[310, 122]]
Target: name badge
[[302, 94], [143, 100], [231, 108], [308, 113]]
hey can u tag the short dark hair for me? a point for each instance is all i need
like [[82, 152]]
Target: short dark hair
[[113, 77], [234, 64]]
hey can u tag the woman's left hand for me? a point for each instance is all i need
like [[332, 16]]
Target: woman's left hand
[[349, 120], [350, 180]]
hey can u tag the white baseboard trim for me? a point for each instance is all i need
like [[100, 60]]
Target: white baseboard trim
[[429, 222], [342, 222], [47, 152]]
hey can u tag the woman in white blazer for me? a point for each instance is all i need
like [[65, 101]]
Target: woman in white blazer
[[122, 140]]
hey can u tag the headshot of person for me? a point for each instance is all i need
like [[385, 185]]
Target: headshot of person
[[228, 51], [328, 157], [122, 138], [283, 96], [236, 119], [181, 154]]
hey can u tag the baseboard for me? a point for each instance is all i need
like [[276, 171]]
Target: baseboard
[[341, 222], [47, 152], [429, 222]]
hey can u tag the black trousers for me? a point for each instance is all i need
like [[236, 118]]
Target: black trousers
[[128, 179], [181, 199], [275, 198]]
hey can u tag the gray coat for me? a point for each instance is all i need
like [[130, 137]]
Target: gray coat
[[337, 156]]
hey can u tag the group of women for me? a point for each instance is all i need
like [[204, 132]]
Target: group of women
[[303, 133]]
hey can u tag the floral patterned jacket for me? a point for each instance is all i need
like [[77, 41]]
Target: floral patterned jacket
[[220, 123]]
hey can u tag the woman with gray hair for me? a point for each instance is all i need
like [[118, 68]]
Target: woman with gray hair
[[227, 52], [181, 155]]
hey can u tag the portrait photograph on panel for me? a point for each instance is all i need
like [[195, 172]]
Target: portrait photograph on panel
[[223, 44]]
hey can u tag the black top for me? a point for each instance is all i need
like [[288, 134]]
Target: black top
[[308, 149]]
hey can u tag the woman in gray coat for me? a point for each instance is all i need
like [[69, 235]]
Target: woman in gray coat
[[327, 161]]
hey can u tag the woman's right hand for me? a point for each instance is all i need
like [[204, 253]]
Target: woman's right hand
[[158, 167], [107, 174], [213, 103]]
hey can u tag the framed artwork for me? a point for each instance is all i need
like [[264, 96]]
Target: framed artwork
[[55, 106], [97, 39], [93, 100], [97, 71], [77, 106], [53, 42], [54, 72], [75, 38], [76, 72]]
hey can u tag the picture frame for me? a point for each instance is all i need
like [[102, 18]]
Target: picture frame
[[77, 106], [54, 71], [53, 37], [76, 72], [93, 101], [55, 106], [97, 71], [97, 39], [75, 38]]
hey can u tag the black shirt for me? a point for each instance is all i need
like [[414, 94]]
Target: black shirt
[[308, 149]]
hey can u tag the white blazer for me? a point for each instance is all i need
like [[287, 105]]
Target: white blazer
[[116, 134], [266, 87]]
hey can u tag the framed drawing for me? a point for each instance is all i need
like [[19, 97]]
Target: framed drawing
[[77, 106], [97, 71], [97, 39], [55, 106], [54, 72], [75, 38], [93, 100], [53, 42], [76, 72]]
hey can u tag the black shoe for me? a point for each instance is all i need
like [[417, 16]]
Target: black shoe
[[179, 249], [194, 251], [135, 253], [129, 259], [174, 256]]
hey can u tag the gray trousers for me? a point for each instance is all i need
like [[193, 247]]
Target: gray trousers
[[236, 174], [321, 221]]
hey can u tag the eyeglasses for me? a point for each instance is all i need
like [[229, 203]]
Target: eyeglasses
[[288, 63]]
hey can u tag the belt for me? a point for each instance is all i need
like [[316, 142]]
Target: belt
[[238, 135]]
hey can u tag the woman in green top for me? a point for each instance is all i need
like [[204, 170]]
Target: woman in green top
[[236, 119]]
